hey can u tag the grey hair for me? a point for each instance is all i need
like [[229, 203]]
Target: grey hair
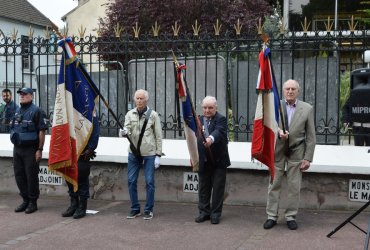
[[210, 99], [294, 81], [146, 94]]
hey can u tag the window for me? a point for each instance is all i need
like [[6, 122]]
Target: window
[[27, 55]]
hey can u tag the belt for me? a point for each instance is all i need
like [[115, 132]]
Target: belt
[[364, 125]]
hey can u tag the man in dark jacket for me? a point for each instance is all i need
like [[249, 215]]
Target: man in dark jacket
[[213, 161], [8, 111], [78, 205]]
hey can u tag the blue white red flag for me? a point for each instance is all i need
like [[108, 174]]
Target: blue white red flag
[[75, 101], [267, 114], [191, 119]]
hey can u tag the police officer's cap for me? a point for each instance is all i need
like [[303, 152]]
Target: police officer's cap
[[25, 91]]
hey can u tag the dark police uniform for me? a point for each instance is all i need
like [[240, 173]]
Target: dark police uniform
[[360, 129], [78, 206], [24, 134]]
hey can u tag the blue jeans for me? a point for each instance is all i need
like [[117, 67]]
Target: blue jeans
[[134, 165]]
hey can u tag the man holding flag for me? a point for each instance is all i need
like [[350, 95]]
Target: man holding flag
[[73, 123], [78, 205], [213, 161], [143, 126], [294, 151]]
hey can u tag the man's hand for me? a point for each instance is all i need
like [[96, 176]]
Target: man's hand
[[38, 155], [304, 165], [208, 142], [157, 161], [123, 132], [88, 154], [282, 135]]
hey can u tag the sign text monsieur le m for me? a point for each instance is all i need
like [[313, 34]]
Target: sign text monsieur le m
[[359, 190]]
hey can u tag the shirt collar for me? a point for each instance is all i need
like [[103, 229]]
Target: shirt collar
[[294, 104]]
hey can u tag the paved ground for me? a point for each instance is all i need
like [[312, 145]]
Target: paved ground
[[172, 227]]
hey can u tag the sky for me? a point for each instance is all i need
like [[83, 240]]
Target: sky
[[54, 9]]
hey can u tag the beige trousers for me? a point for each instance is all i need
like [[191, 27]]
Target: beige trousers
[[294, 178]]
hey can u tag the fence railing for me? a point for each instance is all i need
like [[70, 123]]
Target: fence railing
[[223, 66]]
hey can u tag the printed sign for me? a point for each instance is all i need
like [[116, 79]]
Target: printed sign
[[190, 182], [48, 177], [359, 190]]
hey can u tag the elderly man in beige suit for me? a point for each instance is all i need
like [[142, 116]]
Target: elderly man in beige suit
[[293, 153]]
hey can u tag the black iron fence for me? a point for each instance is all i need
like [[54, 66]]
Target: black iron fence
[[223, 66]]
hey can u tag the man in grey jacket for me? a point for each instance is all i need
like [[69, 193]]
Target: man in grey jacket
[[143, 127]]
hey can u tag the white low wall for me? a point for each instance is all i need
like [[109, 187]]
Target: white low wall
[[327, 184], [327, 158]]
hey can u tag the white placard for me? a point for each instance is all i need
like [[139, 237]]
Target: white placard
[[48, 177], [190, 182], [359, 190]]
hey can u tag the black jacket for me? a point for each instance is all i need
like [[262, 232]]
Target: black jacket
[[220, 154]]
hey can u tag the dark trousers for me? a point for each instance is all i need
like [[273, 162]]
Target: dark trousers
[[83, 180], [362, 136], [211, 183], [26, 171]]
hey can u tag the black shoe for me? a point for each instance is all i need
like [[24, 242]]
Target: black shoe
[[202, 218], [215, 220], [72, 207], [148, 215], [22, 207], [269, 224], [32, 207], [292, 225], [81, 210], [133, 214]]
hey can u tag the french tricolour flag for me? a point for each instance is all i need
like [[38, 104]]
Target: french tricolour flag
[[75, 101], [191, 120], [267, 114]]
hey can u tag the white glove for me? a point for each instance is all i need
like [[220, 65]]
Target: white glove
[[123, 132], [157, 162]]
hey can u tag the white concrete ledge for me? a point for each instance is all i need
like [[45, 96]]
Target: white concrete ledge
[[327, 159]]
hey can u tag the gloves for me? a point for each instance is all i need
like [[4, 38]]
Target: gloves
[[157, 162], [123, 132], [88, 154]]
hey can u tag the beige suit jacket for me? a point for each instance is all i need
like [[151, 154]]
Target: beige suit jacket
[[302, 135]]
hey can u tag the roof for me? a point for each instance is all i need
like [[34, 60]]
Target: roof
[[23, 11]]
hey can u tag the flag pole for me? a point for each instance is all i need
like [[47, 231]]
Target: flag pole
[[177, 101], [97, 92], [265, 38], [196, 118]]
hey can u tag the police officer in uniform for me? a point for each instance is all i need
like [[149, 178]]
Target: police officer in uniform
[[78, 205], [27, 133]]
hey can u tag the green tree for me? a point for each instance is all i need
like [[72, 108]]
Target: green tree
[[185, 12], [365, 10]]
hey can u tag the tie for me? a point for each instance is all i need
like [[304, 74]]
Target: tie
[[206, 124]]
